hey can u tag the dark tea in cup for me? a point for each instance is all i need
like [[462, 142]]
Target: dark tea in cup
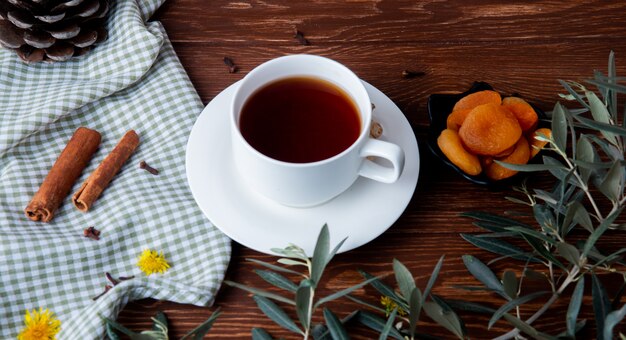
[[300, 120]]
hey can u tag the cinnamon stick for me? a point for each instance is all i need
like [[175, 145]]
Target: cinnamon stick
[[89, 192], [63, 174]]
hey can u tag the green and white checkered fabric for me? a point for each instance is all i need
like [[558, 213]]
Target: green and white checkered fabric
[[132, 81]]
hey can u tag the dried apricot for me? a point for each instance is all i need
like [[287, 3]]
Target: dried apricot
[[520, 155], [525, 114], [456, 119], [489, 130], [451, 146], [535, 144], [477, 98], [485, 161], [505, 152]]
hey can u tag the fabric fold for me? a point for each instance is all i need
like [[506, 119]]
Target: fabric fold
[[133, 81]]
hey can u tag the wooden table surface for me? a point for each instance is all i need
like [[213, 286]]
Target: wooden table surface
[[523, 48]]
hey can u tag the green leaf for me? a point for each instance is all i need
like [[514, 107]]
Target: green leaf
[[111, 333], [276, 314], [415, 308], [483, 274], [496, 228], [593, 238], [612, 320], [277, 280], [404, 278], [512, 304], [386, 291], [433, 278], [602, 127], [321, 332], [445, 318], [522, 326], [615, 87], [498, 247], [574, 93], [581, 217], [388, 325], [260, 292], [559, 127], [569, 252], [292, 251], [199, 332], [335, 326], [529, 167], [470, 306], [600, 114], [303, 303], [557, 169], [291, 262], [274, 267], [509, 281], [612, 185], [376, 323], [545, 218], [585, 153], [532, 233], [365, 303], [612, 97], [601, 303], [162, 318], [610, 259], [345, 292], [541, 249], [574, 306], [579, 326], [114, 325], [260, 334], [320, 255]]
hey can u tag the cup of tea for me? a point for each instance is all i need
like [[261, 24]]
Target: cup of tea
[[300, 127]]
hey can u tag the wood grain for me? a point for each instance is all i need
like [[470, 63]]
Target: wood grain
[[518, 48], [399, 21]]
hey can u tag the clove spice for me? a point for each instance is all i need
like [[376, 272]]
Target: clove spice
[[113, 281], [106, 289], [408, 74], [148, 168], [92, 233], [301, 39], [232, 68]]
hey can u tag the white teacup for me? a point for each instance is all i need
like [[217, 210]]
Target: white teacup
[[309, 184]]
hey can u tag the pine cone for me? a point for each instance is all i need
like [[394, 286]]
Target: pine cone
[[52, 30]]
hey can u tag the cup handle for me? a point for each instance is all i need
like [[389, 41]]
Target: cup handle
[[386, 150]]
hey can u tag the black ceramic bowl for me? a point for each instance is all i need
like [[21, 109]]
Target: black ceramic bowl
[[439, 107]]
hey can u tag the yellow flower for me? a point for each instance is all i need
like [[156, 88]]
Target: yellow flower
[[390, 305], [40, 325], [151, 261]]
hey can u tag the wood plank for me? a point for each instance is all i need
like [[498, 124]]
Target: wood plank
[[521, 48], [529, 69], [240, 313], [365, 21]]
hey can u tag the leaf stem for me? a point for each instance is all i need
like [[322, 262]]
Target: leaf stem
[[583, 185], [309, 314], [568, 280]]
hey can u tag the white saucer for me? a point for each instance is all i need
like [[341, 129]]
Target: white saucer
[[361, 213]]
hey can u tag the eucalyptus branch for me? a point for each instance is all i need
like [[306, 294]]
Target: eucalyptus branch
[[583, 185], [555, 296]]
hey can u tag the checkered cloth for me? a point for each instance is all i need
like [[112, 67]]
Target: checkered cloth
[[132, 81]]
